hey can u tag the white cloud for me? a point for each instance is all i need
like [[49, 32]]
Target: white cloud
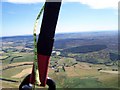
[[95, 4], [100, 4]]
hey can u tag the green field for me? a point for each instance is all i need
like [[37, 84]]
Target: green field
[[75, 75], [81, 60]]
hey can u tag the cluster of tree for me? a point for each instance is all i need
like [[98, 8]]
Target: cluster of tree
[[7, 50], [85, 49], [95, 54], [114, 56], [26, 50]]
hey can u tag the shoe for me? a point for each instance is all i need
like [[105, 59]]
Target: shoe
[[27, 87]]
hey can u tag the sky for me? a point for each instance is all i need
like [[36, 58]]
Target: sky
[[18, 16]]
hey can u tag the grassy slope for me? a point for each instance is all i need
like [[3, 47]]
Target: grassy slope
[[77, 76]]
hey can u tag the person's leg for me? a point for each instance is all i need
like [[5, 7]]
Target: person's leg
[[45, 42], [46, 39], [32, 76]]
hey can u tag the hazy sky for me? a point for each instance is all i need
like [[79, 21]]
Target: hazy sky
[[18, 16]]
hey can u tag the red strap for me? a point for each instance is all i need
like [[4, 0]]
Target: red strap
[[43, 62]]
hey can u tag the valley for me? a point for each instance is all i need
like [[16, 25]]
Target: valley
[[78, 60]]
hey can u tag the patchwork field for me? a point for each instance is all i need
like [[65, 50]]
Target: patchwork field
[[87, 61], [81, 75]]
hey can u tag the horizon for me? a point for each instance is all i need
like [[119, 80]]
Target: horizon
[[63, 33]]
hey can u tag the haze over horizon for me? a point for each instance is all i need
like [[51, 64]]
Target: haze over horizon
[[80, 16]]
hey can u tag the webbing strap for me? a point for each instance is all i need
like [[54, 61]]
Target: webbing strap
[[35, 46]]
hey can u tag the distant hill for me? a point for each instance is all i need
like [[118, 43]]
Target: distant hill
[[84, 35], [69, 40], [110, 39], [85, 49], [16, 38], [92, 47]]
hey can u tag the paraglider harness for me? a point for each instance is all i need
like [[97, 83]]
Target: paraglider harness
[[43, 48]]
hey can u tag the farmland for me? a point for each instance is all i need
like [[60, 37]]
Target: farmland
[[79, 60]]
